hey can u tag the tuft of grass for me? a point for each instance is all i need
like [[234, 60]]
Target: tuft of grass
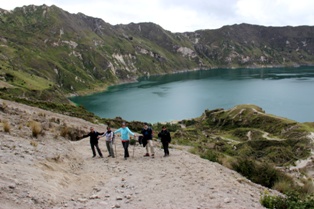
[[64, 131], [57, 158], [4, 106], [36, 128], [6, 127], [56, 136], [34, 143], [42, 114]]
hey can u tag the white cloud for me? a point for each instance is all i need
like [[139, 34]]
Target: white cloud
[[276, 12], [187, 15]]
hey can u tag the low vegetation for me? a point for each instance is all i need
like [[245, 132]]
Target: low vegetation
[[291, 200], [255, 144]]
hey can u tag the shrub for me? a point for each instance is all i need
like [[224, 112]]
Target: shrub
[[308, 187], [266, 175], [290, 201], [283, 186], [211, 155], [170, 127], [273, 202], [189, 122], [244, 166], [260, 173], [132, 141]]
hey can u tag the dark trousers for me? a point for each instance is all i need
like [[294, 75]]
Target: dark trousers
[[126, 148], [93, 145], [165, 146]]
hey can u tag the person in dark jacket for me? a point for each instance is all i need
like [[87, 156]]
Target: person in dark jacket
[[147, 133], [94, 141], [165, 137]]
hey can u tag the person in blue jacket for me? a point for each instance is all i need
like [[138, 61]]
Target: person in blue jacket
[[125, 138]]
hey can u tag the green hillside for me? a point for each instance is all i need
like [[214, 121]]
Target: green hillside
[[48, 51]]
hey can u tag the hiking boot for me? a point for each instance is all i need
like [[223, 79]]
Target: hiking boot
[[146, 155], [94, 156], [101, 156], [109, 155], [153, 155]]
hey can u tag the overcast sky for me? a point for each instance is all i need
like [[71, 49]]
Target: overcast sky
[[186, 15]]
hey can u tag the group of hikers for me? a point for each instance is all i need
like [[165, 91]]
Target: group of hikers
[[146, 138]]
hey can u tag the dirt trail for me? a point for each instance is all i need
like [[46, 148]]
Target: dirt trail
[[57, 173]]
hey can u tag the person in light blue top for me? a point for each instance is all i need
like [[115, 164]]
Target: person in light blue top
[[125, 138]]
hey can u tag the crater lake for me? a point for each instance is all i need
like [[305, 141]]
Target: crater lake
[[284, 92]]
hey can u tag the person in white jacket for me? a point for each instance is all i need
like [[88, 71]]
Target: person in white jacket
[[109, 141]]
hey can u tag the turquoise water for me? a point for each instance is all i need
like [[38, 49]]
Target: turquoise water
[[285, 92]]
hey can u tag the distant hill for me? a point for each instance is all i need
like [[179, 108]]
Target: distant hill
[[47, 53]]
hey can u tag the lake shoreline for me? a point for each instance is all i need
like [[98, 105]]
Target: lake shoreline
[[187, 94], [135, 79]]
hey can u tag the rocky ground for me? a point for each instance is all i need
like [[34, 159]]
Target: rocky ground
[[51, 171]]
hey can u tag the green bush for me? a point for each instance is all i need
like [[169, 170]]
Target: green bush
[[273, 202], [260, 173], [245, 166], [132, 141], [266, 175], [292, 200], [188, 122], [170, 127], [211, 155]]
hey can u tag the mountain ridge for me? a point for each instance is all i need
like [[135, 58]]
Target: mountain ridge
[[46, 50]]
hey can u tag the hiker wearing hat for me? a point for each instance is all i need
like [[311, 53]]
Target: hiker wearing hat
[[125, 138], [165, 137], [148, 140]]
